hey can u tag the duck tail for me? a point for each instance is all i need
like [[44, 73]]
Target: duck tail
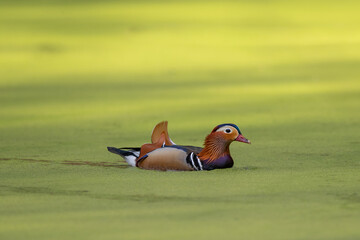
[[129, 154]]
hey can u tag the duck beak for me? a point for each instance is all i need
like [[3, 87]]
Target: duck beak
[[241, 138]]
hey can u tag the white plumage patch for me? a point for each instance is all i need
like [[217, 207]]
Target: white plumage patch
[[131, 159]]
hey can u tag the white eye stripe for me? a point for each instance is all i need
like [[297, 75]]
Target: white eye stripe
[[226, 129]]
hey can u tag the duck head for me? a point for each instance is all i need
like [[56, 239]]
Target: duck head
[[229, 132], [218, 141]]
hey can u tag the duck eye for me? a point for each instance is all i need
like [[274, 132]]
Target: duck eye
[[228, 130]]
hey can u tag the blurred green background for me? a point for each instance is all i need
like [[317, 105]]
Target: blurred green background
[[77, 76]]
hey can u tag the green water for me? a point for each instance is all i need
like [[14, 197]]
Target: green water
[[78, 76]]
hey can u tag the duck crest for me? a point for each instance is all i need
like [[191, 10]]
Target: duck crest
[[226, 124]]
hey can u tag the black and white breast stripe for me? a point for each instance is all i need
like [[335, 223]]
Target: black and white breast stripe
[[194, 162]]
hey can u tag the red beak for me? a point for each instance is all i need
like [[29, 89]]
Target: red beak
[[241, 138]]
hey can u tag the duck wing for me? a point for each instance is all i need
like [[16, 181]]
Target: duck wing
[[189, 149], [160, 131]]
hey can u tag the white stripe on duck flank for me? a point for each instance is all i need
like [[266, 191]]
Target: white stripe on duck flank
[[194, 162]]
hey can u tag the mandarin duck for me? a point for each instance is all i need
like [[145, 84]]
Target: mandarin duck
[[163, 154]]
